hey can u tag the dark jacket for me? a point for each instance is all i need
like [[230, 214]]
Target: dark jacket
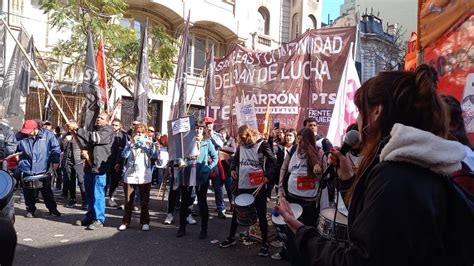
[[326, 145], [71, 152], [38, 152], [99, 145], [120, 140], [400, 213], [267, 160]]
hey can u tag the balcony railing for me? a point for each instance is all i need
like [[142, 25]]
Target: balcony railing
[[264, 40]]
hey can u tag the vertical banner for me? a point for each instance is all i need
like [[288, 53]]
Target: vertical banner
[[90, 88], [299, 79], [181, 68], [101, 72], [345, 112], [140, 96]]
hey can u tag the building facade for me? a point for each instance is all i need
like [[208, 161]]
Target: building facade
[[377, 48], [214, 24]]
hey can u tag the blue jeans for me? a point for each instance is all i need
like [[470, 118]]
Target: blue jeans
[[95, 196], [219, 192]]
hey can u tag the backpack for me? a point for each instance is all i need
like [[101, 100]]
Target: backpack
[[461, 221], [464, 178]]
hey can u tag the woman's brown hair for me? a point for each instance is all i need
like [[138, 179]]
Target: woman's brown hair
[[140, 127], [247, 131], [308, 146], [408, 98]]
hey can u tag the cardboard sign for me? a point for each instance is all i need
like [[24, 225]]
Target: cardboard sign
[[181, 125]]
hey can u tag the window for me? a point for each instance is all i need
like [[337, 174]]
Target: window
[[132, 23], [196, 57], [16, 9], [311, 22], [295, 26], [36, 3], [263, 21]]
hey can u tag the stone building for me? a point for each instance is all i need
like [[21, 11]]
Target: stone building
[[377, 48], [259, 25]]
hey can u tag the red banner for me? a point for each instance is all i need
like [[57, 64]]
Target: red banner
[[452, 57], [410, 53], [299, 79], [436, 17]]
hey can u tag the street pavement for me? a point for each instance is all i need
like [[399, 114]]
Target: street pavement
[[47, 240]]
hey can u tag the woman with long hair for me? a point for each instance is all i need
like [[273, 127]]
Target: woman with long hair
[[252, 167], [137, 175], [197, 167], [401, 204], [300, 175]]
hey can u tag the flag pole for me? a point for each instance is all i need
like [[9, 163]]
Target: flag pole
[[35, 69]]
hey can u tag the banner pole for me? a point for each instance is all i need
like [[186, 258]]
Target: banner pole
[[35, 69]]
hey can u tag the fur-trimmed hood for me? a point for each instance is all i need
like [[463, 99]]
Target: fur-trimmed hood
[[412, 145]]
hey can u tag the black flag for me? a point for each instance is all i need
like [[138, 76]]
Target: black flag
[[180, 80], [48, 108], [25, 69], [10, 93], [210, 82], [90, 88], [140, 104], [3, 35]]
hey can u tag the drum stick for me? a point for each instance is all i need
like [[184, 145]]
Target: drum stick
[[255, 193]]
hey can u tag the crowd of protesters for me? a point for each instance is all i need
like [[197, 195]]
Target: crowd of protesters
[[398, 185]]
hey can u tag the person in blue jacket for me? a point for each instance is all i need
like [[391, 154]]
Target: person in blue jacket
[[197, 167], [38, 147]]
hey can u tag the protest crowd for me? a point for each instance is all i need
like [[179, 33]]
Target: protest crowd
[[382, 198]]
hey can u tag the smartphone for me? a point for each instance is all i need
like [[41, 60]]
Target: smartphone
[[276, 125]]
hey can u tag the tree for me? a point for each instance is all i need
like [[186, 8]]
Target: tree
[[121, 44]]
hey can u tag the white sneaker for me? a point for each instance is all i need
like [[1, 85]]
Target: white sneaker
[[169, 219], [146, 227], [123, 227], [191, 220]]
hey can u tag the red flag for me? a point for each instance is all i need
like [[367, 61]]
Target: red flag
[[101, 71]]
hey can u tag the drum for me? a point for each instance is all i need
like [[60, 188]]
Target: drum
[[36, 182], [295, 208], [334, 230], [7, 183], [245, 209]]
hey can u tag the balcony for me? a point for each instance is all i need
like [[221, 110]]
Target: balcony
[[264, 40]]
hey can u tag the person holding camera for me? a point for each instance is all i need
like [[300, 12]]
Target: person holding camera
[[137, 174]]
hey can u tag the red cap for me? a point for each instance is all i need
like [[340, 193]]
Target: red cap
[[29, 126], [209, 120]]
